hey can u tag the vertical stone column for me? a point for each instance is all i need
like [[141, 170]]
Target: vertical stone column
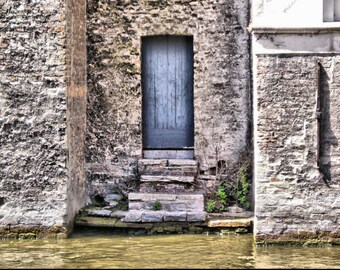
[[33, 154], [76, 104]]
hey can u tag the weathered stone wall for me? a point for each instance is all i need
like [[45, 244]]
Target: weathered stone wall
[[33, 173], [42, 116], [294, 197], [114, 110]]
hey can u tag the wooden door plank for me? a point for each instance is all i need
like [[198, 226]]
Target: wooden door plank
[[172, 81], [161, 82], [167, 71]]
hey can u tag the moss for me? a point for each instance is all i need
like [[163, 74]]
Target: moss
[[11, 236], [27, 236], [169, 229], [156, 206], [33, 232], [300, 239], [196, 229], [157, 230], [228, 232]]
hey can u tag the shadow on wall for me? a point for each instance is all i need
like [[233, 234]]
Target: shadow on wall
[[327, 136]]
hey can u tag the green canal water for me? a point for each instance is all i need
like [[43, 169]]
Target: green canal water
[[161, 251]]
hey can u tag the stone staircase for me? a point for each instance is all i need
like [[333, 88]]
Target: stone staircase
[[167, 192]]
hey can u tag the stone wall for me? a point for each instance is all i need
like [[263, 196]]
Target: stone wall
[[114, 110], [295, 197], [33, 173], [41, 183]]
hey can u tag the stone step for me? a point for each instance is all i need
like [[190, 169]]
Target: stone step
[[167, 167], [167, 178], [163, 216], [166, 202], [151, 187]]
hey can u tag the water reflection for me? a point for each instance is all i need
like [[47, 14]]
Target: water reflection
[[166, 251], [297, 257]]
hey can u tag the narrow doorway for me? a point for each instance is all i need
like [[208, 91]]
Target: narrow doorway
[[167, 87]]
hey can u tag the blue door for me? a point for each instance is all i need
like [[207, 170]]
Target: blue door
[[167, 83]]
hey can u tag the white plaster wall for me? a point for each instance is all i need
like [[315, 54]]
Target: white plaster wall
[[289, 14]]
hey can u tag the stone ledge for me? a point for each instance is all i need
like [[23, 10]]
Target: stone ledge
[[172, 222], [117, 223]]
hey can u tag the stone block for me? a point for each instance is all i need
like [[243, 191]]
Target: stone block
[[113, 197], [191, 197], [168, 188], [164, 154], [118, 214], [196, 216], [133, 216], [95, 221], [135, 205], [151, 197], [180, 206], [182, 162], [152, 216], [175, 216], [99, 213], [113, 203], [235, 209], [167, 178], [233, 223], [152, 162]]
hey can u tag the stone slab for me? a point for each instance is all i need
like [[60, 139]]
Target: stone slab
[[191, 197], [172, 171], [133, 216], [182, 162], [151, 197], [99, 213], [118, 214], [169, 202], [232, 223], [95, 221], [167, 178], [175, 216], [165, 187], [246, 214], [135, 205], [168, 154], [196, 216], [152, 162], [113, 197], [152, 216]]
